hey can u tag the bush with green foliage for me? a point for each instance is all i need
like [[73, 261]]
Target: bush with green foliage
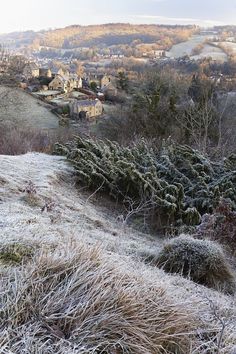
[[202, 261], [177, 182], [93, 86]]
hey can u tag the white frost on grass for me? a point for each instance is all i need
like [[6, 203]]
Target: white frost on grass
[[59, 213]]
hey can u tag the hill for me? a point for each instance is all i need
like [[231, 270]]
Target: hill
[[77, 282], [112, 34], [18, 39], [101, 36]]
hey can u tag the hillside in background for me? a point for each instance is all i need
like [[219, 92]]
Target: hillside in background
[[18, 39], [112, 34], [101, 36]]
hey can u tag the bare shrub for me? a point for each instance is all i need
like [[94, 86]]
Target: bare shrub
[[202, 261], [17, 141], [80, 303], [220, 226]]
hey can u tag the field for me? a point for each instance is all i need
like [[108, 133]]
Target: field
[[213, 52], [20, 109], [231, 46], [186, 48]]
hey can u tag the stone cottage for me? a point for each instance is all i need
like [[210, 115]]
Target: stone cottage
[[101, 80], [86, 109], [58, 84]]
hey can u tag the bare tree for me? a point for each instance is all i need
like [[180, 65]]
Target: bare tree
[[198, 122], [11, 66], [4, 59]]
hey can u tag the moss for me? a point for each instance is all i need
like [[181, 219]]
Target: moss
[[202, 261], [15, 253]]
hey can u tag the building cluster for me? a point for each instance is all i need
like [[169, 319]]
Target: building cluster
[[65, 81], [154, 54], [67, 91]]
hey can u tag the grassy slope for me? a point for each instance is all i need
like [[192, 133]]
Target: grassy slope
[[71, 221], [19, 109]]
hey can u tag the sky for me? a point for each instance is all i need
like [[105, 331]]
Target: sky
[[19, 15]]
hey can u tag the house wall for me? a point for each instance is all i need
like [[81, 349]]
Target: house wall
[[58, 83], [105, 81], [98, 109], [35, 73], [80, 83]]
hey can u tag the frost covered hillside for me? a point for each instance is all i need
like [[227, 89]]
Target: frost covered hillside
[[73, 279]]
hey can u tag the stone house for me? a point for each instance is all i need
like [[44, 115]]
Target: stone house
[[65, 81], [101, 80], [159, 53], [31, 70], [82, 109], [74, 82], [58, 84], [110, 90]]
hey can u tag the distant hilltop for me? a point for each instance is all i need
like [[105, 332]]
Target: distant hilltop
[[105, 35]]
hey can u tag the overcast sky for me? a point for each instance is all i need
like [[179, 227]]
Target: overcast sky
[[44, 14]]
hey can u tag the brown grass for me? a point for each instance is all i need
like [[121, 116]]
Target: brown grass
[[76, 302]]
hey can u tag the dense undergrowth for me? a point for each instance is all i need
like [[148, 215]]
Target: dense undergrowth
[[176, 185]]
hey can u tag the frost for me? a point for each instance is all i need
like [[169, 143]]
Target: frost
[[182, 182]]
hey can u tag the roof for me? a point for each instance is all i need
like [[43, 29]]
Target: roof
[[45, 70], [59, 77], [77, 94], [97, 76], [87, 102], [48, 93]]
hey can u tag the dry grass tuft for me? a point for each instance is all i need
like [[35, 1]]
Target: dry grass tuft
[[202, 261], [78, 303]]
